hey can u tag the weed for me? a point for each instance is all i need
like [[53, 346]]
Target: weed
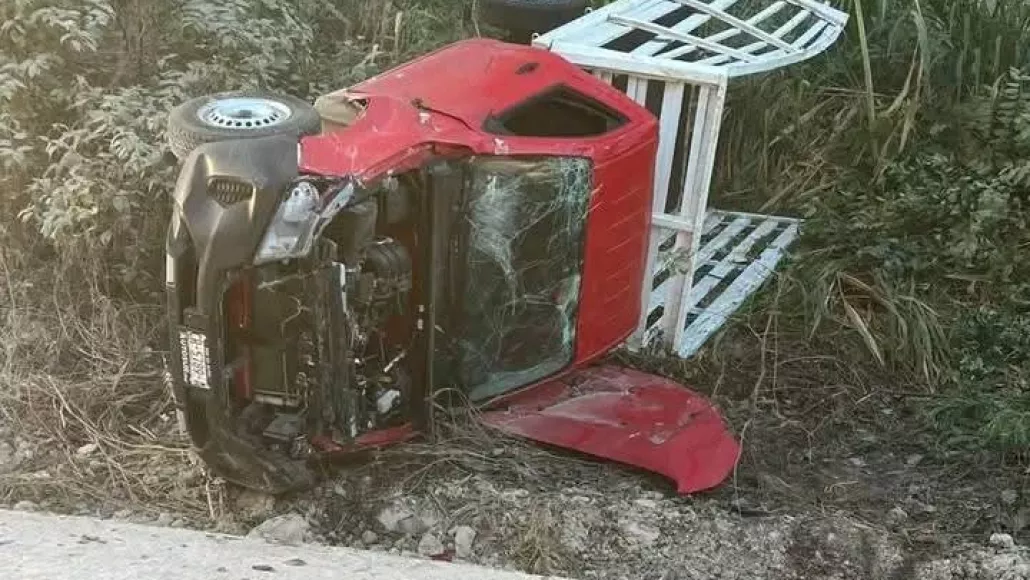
[[990, 403]]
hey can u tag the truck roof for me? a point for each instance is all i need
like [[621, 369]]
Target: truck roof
[[459, 98], [474, 79]]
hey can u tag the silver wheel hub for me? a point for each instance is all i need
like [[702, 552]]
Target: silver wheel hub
[[243, 113]]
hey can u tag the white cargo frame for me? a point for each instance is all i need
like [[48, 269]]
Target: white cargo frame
[[688, 290]]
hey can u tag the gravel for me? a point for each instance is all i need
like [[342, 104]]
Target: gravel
[[464, 538], [430, 545]]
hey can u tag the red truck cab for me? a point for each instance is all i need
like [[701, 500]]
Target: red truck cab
[[475, 221]]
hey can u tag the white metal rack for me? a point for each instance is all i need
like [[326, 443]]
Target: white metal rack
[[676, 57]]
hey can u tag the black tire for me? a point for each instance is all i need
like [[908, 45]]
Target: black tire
[[522, 18], [186, 130]]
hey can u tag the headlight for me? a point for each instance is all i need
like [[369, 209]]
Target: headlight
[[297, 222]]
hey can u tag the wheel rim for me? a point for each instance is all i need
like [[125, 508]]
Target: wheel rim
[[243, 113]]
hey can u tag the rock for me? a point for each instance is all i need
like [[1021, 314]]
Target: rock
[[646, 503], [26, 506], [87, 450], [1002, 541], [289, 529], [411, 526], [464, 537], [430, 545], [368, 537], [913, 460], [399, 518], [1009, 497], [122, 514], [896, 516], [164, 520], [391, 517], [254, 504], [641, 533]]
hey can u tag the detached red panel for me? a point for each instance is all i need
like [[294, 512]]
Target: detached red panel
[[630, 417]]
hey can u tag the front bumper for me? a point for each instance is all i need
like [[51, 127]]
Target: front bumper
[[210, 246], [292, 362]]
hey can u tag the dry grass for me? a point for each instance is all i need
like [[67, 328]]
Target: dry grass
[[539, 548], [512, 492], [463, 444], [81, 384]]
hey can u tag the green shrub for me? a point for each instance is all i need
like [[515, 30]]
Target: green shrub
[[915, 184], [85, 87], [988, 403]]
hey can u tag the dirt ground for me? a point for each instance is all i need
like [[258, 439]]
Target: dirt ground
[[837, 480]]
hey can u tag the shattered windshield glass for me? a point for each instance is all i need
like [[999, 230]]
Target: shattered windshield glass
[[525, 220]]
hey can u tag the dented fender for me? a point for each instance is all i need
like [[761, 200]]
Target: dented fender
[[226, 229]]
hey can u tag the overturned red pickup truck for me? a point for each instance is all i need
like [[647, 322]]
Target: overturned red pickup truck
[[472, 222]]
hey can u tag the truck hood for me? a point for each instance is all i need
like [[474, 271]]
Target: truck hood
[[628, 416]]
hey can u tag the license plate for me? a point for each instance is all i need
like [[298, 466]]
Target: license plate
[[195, 358]]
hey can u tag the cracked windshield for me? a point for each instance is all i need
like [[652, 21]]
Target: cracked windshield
[[525, 221]]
